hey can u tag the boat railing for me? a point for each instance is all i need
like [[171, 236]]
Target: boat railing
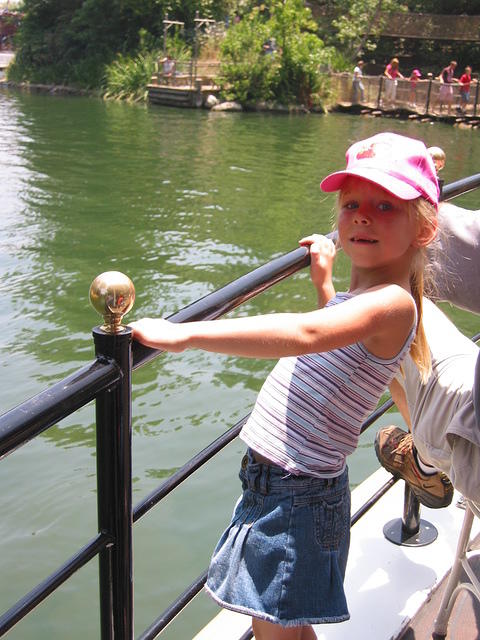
[[108, 381], [425, 98]]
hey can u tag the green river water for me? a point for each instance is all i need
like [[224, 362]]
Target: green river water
[[182, 201]]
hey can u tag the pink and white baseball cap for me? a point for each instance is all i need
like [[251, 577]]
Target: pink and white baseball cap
[[400, 165]]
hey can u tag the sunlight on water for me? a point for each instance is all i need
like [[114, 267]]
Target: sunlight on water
[[182, 202]]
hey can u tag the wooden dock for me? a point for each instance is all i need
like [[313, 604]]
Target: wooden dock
[[181, 96], [190, 85], [402, 113]]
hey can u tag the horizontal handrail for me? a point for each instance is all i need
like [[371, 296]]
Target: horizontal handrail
[[48, 586], [187, 469], [27, 420], [235, 293], [460, 187], [174, 609], [190, 592], [230, 296], [32, 417], [190, 467]]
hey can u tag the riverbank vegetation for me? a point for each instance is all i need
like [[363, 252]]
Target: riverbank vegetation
[[275, 54], [273, 50]]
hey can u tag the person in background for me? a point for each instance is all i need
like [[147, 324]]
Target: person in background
[[414, 77], [447, 79], [168, 68], [270, 46], [465, 82], [391, 73], [443, 444], [442, 447], [357, 84], [282, 559]]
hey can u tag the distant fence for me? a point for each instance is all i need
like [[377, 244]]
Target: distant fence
[[188, 73], [420, 26], [428, 26], [428, 96]]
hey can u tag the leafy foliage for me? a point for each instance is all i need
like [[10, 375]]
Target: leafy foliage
[[89, 42], [71, 41], [127, 78], [289, 72], [360, 22], [447, 7]]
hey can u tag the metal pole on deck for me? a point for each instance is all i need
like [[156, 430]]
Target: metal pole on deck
[[410, 530], [112, 294]]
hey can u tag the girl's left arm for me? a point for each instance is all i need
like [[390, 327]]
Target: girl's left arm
[[383, 317], [322, 256]]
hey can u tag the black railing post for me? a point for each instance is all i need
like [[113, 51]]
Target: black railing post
[[429, 93], [379, 96], [112, 294], [114, 485]]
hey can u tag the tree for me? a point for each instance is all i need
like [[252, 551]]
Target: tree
[[274, 52], [71, 41], [359, 23]]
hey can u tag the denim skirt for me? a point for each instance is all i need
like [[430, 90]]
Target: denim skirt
[[283, 556]]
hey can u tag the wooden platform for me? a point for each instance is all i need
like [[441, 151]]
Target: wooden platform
[[180, 96], [464, 623]]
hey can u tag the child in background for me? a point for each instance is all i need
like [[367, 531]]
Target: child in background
[[282, 559], [414, 76], [465, 82]]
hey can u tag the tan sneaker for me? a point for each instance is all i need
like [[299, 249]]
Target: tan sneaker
[[394, 449]]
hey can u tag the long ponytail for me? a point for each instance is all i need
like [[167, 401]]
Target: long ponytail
[[425, 213]]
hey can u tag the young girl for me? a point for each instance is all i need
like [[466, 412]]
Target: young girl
[[414, 78], [282, 559]]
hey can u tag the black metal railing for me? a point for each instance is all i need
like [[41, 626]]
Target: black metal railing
[[108, 381], [424, 98]]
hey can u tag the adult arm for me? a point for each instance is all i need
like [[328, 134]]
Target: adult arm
[[400, 398]]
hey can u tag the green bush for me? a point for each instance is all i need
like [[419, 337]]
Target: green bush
[[247, 74], [291, 72], [126, 78]]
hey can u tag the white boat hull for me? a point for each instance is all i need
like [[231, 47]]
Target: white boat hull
[[385, 583]]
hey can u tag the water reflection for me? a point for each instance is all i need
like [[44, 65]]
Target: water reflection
[[181, 201]]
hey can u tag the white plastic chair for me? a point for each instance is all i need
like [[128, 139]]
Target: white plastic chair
[[465, 548]]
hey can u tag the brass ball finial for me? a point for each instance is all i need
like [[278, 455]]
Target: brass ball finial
[[112, 294]]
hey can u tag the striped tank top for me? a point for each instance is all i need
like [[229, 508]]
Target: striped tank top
[[309, 412]]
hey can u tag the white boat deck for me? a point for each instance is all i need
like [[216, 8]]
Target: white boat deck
[[386, 584]]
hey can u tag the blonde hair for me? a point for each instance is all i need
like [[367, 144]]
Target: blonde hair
[[420, 278]]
